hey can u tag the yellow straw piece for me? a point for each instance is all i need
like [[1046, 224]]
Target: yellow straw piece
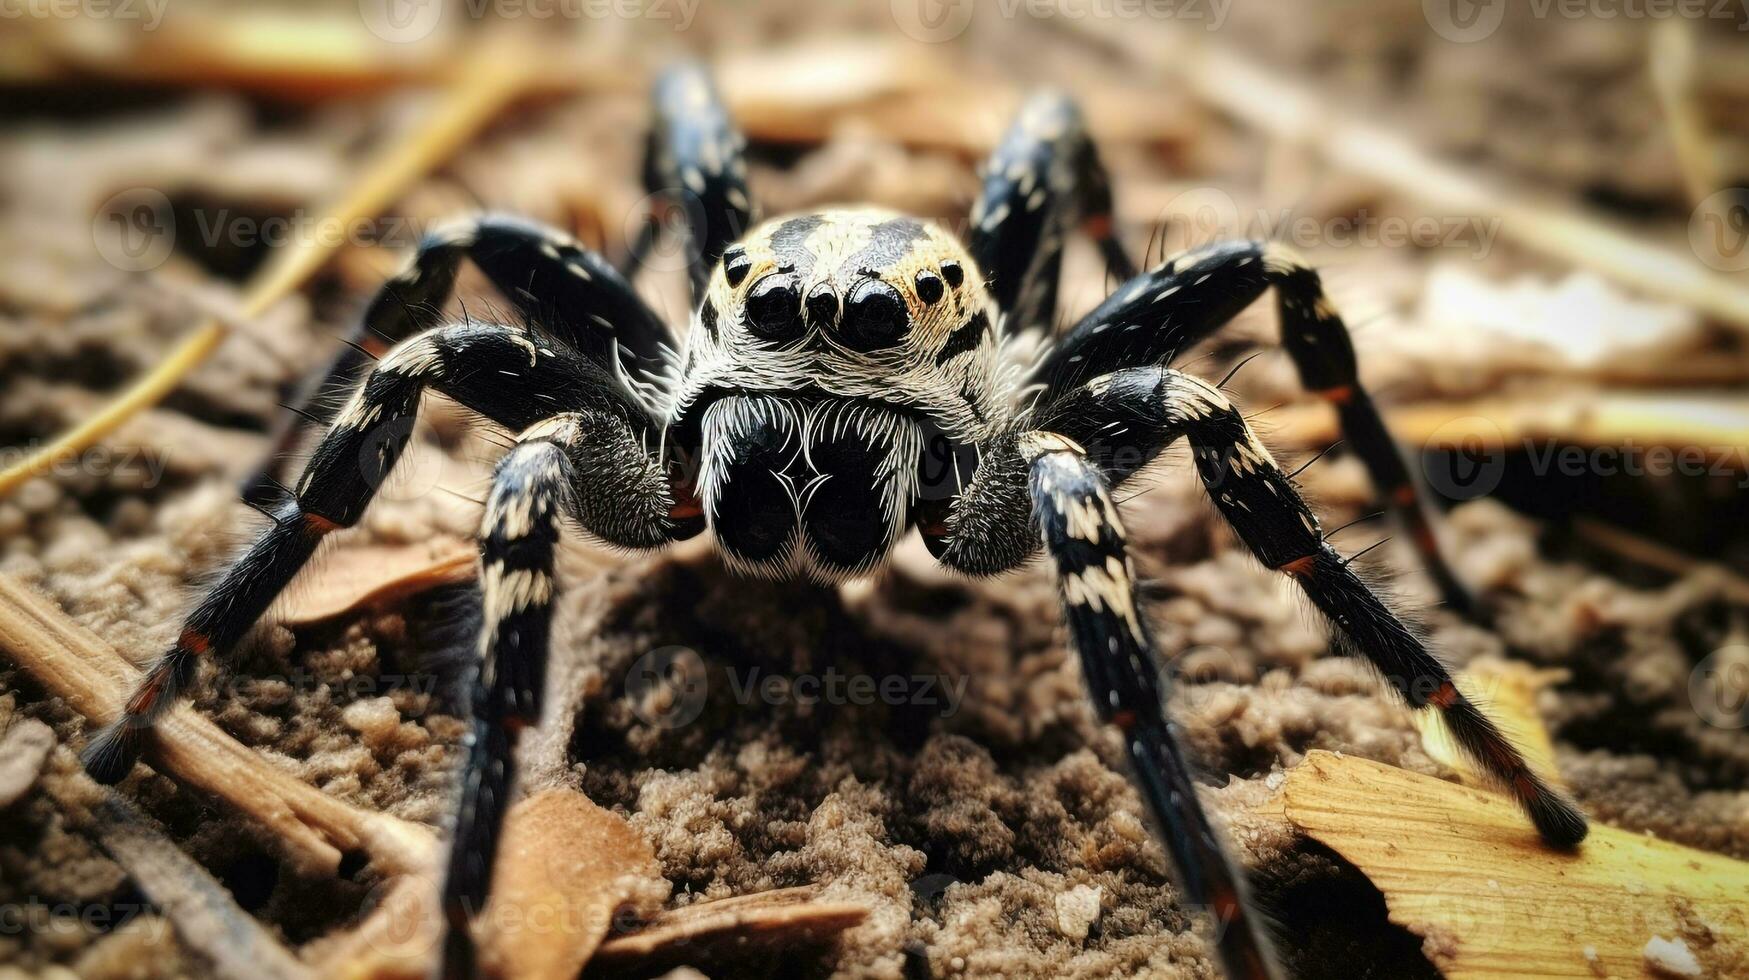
[[487, 83]]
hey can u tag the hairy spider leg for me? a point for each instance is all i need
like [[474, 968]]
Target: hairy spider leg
[[1128, 417], [1189, 297], [558, 286], [1074, 512], [695, 170], [505, 374], [584, 466], [1044, 178]]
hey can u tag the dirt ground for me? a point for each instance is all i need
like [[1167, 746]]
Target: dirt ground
[[972, 811]]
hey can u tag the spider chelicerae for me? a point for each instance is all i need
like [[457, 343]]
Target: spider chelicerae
[[847, 375]]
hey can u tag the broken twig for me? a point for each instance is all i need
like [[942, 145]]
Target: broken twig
[[492, 80], [72, 663]]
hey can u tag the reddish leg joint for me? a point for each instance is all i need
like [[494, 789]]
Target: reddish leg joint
[[1299, 568]]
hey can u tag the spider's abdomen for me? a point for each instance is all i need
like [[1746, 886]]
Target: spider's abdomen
[[821, 487]]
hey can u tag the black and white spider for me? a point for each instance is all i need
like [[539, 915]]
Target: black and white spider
[[846, 377]]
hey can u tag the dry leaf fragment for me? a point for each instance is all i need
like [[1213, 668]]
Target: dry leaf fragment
[[564, 867], [1464, 870], [773, 921], [374, 575]]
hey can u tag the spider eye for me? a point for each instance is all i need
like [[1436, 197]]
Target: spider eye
[[951, 271], [774, 308], [928, 286], [736, 265], [874, 316]]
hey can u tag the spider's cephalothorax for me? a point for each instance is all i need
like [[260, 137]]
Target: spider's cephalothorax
[[835, 358], [840, 384]]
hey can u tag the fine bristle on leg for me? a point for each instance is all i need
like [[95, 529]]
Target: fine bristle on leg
[[111, 753], [1150, 318], [1425, 682], [1556, 817]]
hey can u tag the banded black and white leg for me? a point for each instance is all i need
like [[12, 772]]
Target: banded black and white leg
[[1127, 418], [1189, 297], [1053, 479], [1043, 180], [585, 467], [1074, 513], [695, 173], [511, 377], [555, 284]]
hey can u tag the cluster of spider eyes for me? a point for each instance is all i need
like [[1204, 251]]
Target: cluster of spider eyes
[[873, 317]]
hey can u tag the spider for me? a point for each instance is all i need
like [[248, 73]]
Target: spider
[[844, 378]]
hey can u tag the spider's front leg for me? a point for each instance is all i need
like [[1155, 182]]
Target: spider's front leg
[[586, 466], [1038, 484], [1086, 542], [1126, 418], [507, 375], [1188, 297], [569, 291], [1043, 179]]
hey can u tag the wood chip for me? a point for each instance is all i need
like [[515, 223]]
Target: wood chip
[[1712, 421], [24, 747], [1465, 871], [733, 928], [374, 576]]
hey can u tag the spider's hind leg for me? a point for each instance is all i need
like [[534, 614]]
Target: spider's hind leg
[[1188, 297], [694, 171], [1044, 178]]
